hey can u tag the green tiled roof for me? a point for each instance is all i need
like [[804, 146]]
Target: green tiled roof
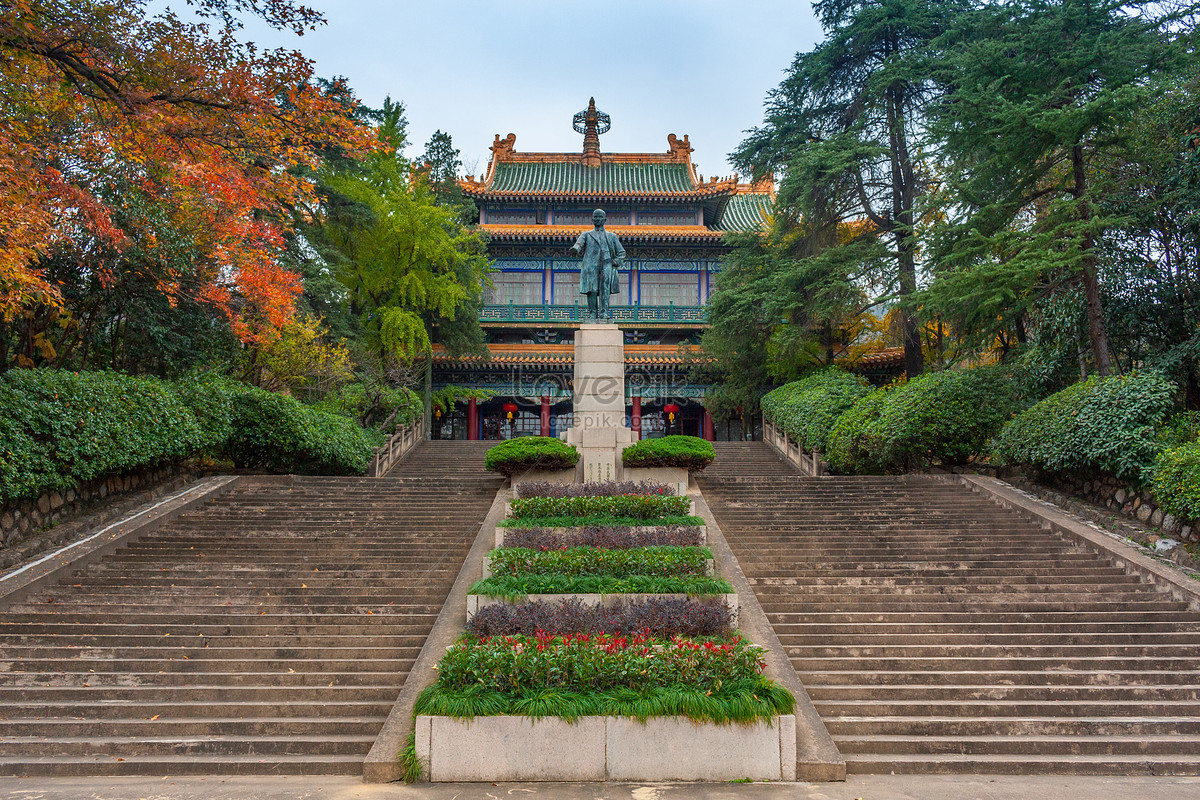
[[574, 178], [745, 212]]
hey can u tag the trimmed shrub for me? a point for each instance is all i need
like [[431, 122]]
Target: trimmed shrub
[[530, 452], [855, 444], [603, 536], [58, 428], [518, 586], [1180, 429], [601, 561], [659, 616], [633, 506], [945, 417], [599, 489], [807, 409], [1101, 425], [278, 433], [682, 452], [1176, 481]]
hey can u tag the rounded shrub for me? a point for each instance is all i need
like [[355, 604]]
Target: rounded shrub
[[683, 452], [1176, 481], [530, 452], [855, 445], [1101, 425], [945, 417], [806, 409]]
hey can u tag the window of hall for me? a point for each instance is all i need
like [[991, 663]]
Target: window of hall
[[668, 217], [566, 290], [519, 288], [670, 288], [573, 216]]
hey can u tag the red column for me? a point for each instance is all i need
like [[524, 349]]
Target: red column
[[635, 419], [708, 426], [545, 415], [472, 419]]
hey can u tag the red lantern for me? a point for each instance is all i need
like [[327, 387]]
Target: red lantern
[[671, 409], [509, 409]]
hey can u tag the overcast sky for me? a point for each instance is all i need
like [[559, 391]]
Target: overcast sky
[[475, 68]]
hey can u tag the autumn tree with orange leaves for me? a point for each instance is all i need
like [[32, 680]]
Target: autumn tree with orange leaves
[[102, 105]]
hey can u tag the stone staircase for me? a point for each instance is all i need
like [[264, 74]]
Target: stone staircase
[[267, 632], [746, 461], [938, 632]]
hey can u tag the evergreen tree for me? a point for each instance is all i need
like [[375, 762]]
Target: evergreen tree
[[843, 127], [1041, 90]]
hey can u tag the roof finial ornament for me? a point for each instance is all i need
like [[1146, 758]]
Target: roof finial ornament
[[591, 123]]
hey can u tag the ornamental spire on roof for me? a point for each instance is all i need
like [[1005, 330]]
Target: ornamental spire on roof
[[591, 123]]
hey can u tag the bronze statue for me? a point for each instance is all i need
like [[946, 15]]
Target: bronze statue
[[603, 256]]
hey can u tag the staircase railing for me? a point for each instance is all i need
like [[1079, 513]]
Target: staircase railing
[[396, 447], [809, 463]]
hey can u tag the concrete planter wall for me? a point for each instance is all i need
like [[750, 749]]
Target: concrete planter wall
[[566, 531], [672, 476], [478, 601], [545, 476], [604, 749]]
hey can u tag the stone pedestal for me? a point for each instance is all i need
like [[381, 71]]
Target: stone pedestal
[[598, 429]]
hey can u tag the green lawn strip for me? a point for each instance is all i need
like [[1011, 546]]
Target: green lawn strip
[[656, 560], [515, 587], [597, 519], [622, 505], [742, 702]]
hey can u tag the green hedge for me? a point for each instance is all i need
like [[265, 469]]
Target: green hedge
[[630, 506], [616, 563], [530, 452], [1176, 482], [60, 428], [280, 434], [946, 417], [1101, 425], [682, 452], [806, 409], [855, 445]]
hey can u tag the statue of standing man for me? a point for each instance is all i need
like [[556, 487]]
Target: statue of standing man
[[603, 255]]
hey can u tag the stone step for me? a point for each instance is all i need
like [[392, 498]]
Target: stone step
[[934, 680], [1162, 744], [947, 692], [1006, 764], [215, 764], [186, 746]]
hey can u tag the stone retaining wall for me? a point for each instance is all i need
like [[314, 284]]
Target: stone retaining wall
[[25, 523], [1117, 495]]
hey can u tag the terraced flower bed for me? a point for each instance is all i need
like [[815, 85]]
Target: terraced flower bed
[[602, 607]]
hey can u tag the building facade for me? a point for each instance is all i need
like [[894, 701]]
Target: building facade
[[671, 222]]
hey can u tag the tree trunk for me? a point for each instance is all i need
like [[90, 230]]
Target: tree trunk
[[903, 192], [428, 408], [1097, 331]]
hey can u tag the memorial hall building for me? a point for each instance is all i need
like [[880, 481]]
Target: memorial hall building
[[672, 223]]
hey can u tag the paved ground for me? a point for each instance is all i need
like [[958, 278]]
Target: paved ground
[[870, 787]]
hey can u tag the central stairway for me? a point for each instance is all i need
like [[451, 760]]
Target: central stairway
[[268, 631], [938, 632]]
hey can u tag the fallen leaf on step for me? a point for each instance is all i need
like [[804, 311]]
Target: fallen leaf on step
[[154, 717]]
